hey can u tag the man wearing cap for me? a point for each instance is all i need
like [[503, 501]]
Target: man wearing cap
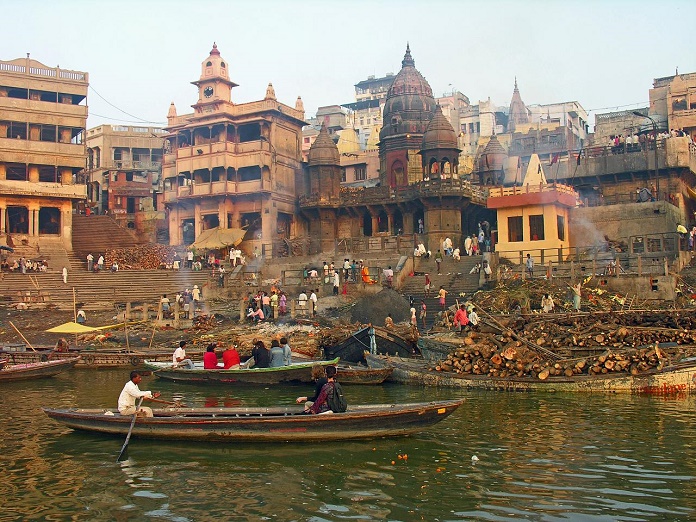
[[179, 358]]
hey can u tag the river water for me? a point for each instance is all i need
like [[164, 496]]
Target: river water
[[540, 457]]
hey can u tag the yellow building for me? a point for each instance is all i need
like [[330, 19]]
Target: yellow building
[[232, 165], [533, 217], [43, 115]]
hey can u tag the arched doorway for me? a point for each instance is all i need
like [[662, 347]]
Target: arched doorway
[[367, 224]]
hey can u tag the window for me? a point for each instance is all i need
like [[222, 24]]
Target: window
[[515, 229], [343, 175], [536, 228], [560, 224], [360, 174], [306, 140], [463, 128]]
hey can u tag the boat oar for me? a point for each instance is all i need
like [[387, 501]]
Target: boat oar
[[130, 430], [178, 404]]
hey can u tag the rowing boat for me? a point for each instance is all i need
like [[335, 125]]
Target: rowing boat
[[283, 423], [375, 339], [679, 378], [18, 372], [296, 372], [17, 354]]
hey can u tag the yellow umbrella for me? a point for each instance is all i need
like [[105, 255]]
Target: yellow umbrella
[[71, 328]]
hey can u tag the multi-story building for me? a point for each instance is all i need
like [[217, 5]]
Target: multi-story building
[[673, 99], [232, 165], [124, 166], [43, 114]]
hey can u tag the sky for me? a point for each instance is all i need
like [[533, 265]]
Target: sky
[[142, 55]]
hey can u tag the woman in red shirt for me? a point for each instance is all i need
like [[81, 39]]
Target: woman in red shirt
[[210, 361]]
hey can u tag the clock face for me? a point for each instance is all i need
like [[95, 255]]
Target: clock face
[[208, 92]]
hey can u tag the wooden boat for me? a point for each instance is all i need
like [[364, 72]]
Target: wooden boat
[[353, 347], [3, 362], [437, 349], [18, 372], [297, 372], [284, 423], [363, 375], [676, 379], [88, 358]]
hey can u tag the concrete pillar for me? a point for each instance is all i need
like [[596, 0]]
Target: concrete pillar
[[128, 311], [36, 222], [34, 174], [160, 314], [293, 305], [66, 177], [375, 225], [145, 312], [390, 224], [3, 167], [242, 310], [30, 217], [3, 220], [640, 265]]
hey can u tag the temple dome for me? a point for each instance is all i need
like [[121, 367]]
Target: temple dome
[[439, 134], [493, 156], [409, 104], [323, 151]]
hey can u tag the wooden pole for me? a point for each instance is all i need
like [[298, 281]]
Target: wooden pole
[[74, 308], [20, 334]]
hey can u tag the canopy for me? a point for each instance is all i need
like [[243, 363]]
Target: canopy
[[71, 328], [219, 238]]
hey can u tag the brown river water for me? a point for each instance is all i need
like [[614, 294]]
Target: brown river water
[[542, 457]]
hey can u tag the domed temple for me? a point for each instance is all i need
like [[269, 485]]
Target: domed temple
[[418, 182]]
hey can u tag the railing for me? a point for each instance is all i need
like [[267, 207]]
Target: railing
[[421, 189], [530, 189], [46, 72]]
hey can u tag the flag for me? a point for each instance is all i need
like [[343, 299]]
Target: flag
[[555, 158]]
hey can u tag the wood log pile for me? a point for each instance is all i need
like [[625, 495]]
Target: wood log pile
[[139, 257], [501, 356]]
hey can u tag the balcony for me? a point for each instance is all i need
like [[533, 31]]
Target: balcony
[[42, 189]]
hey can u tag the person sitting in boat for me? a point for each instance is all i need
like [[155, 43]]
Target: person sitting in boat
[[131, 392], [230, 357], [210, 360], [261, 355], [287, 352], [319, 377], [179, 357], [321, 405], [81, 316], [61, 346], [277, 355]]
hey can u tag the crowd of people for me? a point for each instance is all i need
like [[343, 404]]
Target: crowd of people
[[23, 265]]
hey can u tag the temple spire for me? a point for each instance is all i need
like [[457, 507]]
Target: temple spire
[[408, 59]]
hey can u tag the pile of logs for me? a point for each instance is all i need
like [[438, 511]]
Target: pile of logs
[[505, 357], [140, 257]]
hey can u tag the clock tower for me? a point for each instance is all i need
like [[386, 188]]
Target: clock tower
[[214, 85]]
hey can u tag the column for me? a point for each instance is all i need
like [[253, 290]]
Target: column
[[33, 174], [390, 224], [375, 224], [3, 220], [30, 217], [36, 223]]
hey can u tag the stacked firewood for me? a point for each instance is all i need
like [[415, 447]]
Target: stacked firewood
[[505, 357], [140, 257]]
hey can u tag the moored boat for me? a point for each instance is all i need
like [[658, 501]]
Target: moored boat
[[88, 358], [296, 372], [362, 375], [18, 372], [284, 423], [375, 339], [675, 379]]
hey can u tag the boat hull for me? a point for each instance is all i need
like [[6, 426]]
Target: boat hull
[[88, 358], [38, 370], [677, 379], [352, 349], [362, 375], [264, 424], [295, 373]]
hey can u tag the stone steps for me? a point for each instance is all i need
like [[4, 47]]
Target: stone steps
[[97, 234]]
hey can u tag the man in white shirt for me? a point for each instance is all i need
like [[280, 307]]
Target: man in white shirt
[[90, 262], [179, 357], [189, 259], [130, 393], [302, 302], [314, 299], [336, 282]]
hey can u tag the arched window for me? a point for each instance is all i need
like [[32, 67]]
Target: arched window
[[222, 64], [209, 64]]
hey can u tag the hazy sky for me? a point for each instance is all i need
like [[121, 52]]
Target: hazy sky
[[141, 55]]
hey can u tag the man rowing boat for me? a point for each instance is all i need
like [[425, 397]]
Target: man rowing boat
[[131, 392]]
